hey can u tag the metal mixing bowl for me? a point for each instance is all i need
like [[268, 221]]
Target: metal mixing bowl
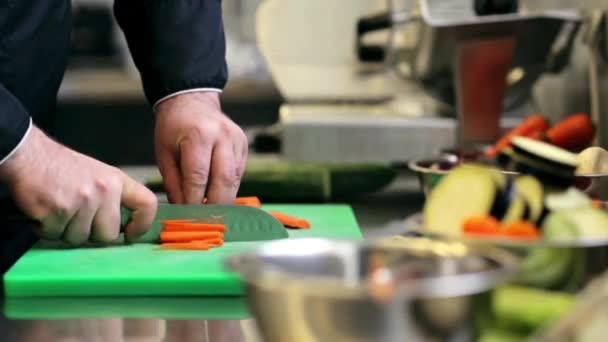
[[554, 265], [327, 290], [431, 171]]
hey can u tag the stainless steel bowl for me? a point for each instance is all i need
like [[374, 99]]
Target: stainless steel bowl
[[327, 290], [567, 266], [431, 171]]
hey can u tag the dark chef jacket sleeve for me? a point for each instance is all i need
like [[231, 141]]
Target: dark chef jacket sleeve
[[177, 45], [15, 123]]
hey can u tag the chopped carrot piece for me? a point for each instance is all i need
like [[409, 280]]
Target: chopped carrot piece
[[251, 201], [188, 236], [193, 245], [529, 126], [523, 230], [596, 203], [195, 227], [212, 242], [165, 222], [290, 221], [482, 225]]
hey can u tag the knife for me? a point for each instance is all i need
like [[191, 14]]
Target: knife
[[243, 223]]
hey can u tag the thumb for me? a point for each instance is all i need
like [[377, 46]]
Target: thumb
[[143, 205]]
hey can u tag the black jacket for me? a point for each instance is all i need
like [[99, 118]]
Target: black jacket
[[176, 44]]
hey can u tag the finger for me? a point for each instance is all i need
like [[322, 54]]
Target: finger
[[53, 223], [195, 156], [225, 179], [244, 155], [143, 205], [168, 165], [78, 229], [106, 223]]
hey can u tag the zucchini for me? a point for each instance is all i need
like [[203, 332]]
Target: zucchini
[[466, 191], [517, 211], [581, 223], [558, 227], [545, 267], [531, 191]]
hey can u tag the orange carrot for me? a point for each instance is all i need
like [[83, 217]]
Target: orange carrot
[[291, 221], [482, 225], [176, 221], [195, 227], [522, 230], [212, 242], [188, 236], [251, 201], [192, 245], [529, 126], [574, 132]]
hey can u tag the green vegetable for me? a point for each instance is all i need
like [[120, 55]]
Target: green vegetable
[[569, 199], [546, 267], [465, 192], [284, 181], [585, 223], [529, 307], [500, 335]]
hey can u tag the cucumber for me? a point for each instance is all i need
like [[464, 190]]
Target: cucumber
[[531, 191], [530, 307], [591, 223], [569, 199], [545, 267], [559, 227], [465, 192]]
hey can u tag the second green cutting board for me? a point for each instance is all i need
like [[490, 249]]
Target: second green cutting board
[[144, 270]]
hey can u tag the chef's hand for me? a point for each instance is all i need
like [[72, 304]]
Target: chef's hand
[[201, 153], [74, 197]]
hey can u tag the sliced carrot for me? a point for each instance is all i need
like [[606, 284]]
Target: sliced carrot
[[212, 242], [596, 203], [291, 221], [576, 131], [531, 125], [193, 245], [522, 230], [188, 236], [251, 201], [195, 227], [482, 225], [176, 221]]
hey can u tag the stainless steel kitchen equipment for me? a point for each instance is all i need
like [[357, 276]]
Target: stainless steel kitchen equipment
[[411, 290], [457, 63]]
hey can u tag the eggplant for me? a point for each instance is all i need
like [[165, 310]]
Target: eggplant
[[517, 211], [468, 190], [551, 176], [545, 153]]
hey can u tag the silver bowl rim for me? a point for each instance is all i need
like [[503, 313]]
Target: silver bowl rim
[[248, 264]]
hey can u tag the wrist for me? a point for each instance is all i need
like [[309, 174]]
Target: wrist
[[23, 154], [205, 98]]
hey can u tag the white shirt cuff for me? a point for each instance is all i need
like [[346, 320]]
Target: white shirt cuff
[[194, 90], [29, 129]]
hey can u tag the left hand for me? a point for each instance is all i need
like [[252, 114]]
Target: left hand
[[201, 152]]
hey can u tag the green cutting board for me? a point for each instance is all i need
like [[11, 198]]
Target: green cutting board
[[145, 270]]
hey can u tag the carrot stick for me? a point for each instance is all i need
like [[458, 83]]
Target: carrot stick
[[195, 227], [188, 236], [251, 201], [176, 221], [522, 230], [482, 225], [212, 242], [573, 132], [193, 245], [291, 221], [531, 125]]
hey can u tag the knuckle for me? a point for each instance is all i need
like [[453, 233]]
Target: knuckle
[[198, 177], [231, 180], [85, 196]]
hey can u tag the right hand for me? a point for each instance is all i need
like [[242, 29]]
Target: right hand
[[74, 197]]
